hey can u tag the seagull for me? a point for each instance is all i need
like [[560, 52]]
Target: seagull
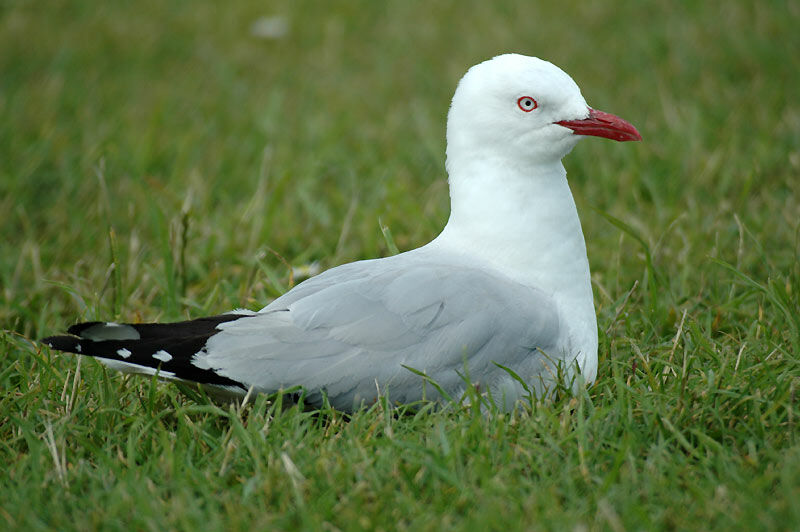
[[501, 300]]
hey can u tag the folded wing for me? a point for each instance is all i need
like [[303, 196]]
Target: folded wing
[[352, 330]]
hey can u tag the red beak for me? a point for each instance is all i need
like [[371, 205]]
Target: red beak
[[600, 124]]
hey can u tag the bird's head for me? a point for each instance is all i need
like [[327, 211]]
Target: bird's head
[[523, 110]]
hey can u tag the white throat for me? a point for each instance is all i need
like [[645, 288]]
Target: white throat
[[526, 225], [523, 222]]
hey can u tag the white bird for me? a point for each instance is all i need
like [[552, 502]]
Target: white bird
[[502, 295]]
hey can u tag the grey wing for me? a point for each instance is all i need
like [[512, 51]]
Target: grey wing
[[352, 329]]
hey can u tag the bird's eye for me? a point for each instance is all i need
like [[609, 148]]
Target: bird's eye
[[527, 104]]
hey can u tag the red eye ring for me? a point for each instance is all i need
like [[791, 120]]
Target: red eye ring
[[527, 104]]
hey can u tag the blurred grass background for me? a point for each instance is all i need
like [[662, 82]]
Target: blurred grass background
[[159, 160]]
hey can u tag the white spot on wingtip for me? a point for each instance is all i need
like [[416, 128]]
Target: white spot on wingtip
[[162, 355], [78, 348], [124, 353]]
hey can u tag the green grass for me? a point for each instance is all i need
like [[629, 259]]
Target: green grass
[[159, 162]]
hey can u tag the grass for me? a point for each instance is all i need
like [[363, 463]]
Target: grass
[[157, 161]]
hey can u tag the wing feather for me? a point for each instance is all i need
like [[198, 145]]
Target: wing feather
[[360, 323]]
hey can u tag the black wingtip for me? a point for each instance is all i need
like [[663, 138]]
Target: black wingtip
[[70, 344], [168, 346]]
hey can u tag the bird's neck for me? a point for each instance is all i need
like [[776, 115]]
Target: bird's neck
[[523, 221]]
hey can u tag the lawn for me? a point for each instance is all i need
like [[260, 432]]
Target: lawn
[[163, 160]]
